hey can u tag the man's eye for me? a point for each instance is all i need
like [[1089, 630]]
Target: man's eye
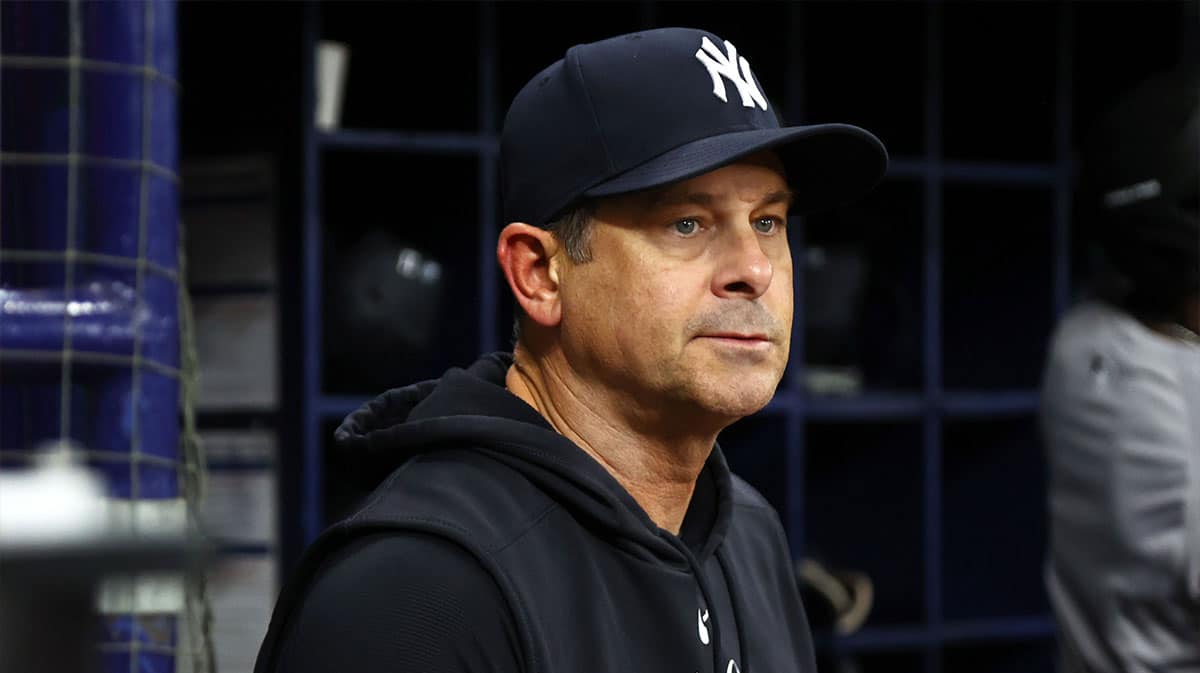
[[686, 227], [765, 225]]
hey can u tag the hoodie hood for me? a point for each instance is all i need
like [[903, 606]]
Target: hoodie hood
[[471, 409]]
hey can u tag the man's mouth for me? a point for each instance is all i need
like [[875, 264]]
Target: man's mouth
[[738, 339]]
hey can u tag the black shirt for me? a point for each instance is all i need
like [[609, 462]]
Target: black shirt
[[412, 602]]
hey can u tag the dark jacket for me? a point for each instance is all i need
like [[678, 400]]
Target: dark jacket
[[498, 544]]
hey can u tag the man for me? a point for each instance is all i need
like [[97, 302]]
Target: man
[[566, 508], [1121, 402]]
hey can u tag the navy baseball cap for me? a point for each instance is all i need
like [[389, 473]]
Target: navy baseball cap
[[647, 109]]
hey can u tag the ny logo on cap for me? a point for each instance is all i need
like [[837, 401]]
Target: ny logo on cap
[[727, 66]]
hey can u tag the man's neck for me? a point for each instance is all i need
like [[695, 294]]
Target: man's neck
[[659, 469]]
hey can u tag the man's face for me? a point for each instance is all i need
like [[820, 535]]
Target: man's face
[[687, 302]]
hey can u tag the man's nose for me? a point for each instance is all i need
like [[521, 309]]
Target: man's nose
[[745, 270]]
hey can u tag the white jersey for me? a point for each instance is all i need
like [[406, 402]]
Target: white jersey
[[1121, 422]]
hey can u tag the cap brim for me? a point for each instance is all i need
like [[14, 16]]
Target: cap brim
[[827, 165]]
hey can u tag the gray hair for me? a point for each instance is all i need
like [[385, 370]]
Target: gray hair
[[573, 229]]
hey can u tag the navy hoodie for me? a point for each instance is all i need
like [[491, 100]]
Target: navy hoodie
[[497, 544]]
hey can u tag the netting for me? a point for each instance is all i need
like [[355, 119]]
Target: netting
[[95, 340]]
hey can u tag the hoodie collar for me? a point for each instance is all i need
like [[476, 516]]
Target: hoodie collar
[[471, 409]]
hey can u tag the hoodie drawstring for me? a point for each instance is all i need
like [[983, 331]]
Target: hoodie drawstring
[[706, 594], [734, 595]]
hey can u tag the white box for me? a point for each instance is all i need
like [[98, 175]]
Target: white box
[[243, 592], [240, 506], [257, 446], [237, 345]]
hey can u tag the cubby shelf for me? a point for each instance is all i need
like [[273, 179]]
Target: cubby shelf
[[415, 142], [919, 636]]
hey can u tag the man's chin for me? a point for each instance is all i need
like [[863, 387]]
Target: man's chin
[[738, 399], [716, 387], [740, 408]]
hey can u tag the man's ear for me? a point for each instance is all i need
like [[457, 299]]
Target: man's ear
[[526, 253]]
